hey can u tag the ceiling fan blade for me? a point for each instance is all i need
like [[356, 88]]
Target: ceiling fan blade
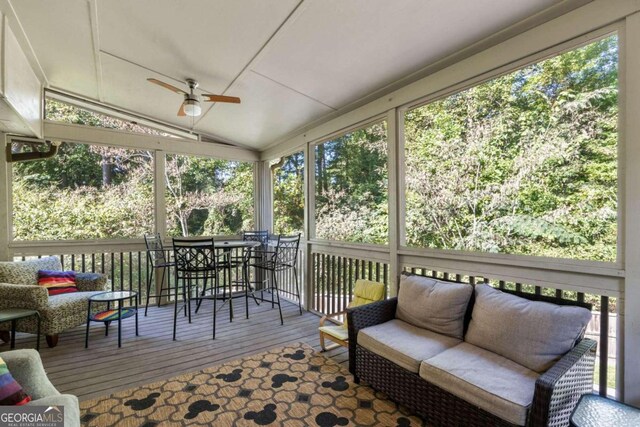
[[167, 86], [181, 112], [221, 98]]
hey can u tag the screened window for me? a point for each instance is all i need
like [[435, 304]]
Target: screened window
[[351, 186], [207, 197], [522, 164], [84, 192], [288, 195], [58, 111]]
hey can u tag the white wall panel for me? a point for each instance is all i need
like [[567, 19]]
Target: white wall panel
[[339, 51], [22, 89], [268, 109], [60, 34]]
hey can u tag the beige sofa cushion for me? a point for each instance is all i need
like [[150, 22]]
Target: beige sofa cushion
[[433, 304], [485, 379], [404, 344], [532, 333]]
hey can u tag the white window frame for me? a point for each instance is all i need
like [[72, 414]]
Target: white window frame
[[515, 259]]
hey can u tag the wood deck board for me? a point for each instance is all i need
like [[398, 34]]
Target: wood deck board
[[104, 369]]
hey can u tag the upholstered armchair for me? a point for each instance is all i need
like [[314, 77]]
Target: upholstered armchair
[[19, 289], [26, 368]]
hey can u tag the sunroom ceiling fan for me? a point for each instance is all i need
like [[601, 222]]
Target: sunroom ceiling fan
[[191, 104]]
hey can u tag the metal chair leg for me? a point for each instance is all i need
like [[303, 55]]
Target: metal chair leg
[[230, 291], [188, 298], [275, 289], [215, 304], [149, 279], [175, 310], [295, 273], [86, 334], [246, 288], [204, 289], [273, 282]]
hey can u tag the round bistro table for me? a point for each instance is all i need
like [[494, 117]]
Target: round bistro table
[[110, 315]]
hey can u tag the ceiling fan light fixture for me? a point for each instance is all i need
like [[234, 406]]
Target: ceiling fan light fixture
[[192, 108]]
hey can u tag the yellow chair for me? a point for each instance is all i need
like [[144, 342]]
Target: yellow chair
[[365, 292]]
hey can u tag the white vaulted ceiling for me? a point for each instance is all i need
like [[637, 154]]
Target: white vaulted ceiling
[[291, 61]]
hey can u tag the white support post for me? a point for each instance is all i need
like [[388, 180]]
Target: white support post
[[160, 206], [629, 160], [309, 220], [395, 221], [257, 196], [263, 196], [5, 231]]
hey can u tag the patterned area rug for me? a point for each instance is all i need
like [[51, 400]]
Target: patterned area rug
[[290, 386]]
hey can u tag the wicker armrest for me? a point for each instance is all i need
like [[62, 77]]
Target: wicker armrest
[[364, 316], [32, 297], [558, 390], [87, 282]]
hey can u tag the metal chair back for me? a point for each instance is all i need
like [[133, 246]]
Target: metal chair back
[[261, 236], [256, 253], [155, 250], [287, 251], [194, 256]]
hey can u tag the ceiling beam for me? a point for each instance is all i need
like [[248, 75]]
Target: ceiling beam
[[95, 42], [295, 12], [101, 136]]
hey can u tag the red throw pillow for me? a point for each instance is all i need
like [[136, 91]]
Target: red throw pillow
[[58, 282], [11, 393]]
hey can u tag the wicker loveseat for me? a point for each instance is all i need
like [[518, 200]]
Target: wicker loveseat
[[19, 289], [473, 365]]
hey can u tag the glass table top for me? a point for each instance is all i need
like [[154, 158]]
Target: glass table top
[[597, 411], [15, 313], [114, 296]]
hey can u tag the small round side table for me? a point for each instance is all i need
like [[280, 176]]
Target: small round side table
[[14, 314], [110, 315]]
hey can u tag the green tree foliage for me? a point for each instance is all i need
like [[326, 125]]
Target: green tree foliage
[[94, 192], [351, 186], [208, 196], [69, 196], [288, 195], [523, 164]]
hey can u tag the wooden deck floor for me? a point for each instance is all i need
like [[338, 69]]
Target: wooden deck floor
[[103, 368]]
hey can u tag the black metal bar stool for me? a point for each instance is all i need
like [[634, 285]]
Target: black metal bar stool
[[197, 260], [157, 257], [252, 255], [284, 258]]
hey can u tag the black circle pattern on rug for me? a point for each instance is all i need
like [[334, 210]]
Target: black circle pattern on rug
[[291, 386]]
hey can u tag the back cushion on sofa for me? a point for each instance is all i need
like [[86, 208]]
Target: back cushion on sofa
[[433, 304], [532, 333], [26, 272]]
